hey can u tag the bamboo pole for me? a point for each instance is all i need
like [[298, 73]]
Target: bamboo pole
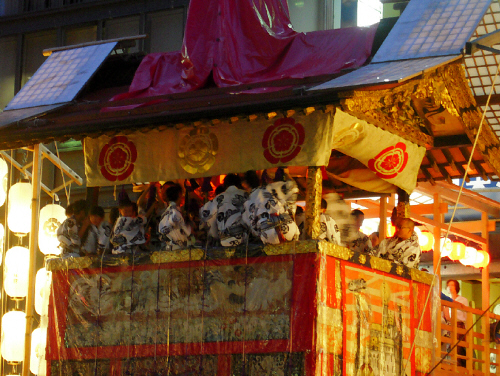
[[30, 298], [485, 289], [437, 271], [383, 218]]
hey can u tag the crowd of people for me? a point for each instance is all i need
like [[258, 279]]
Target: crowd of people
[[242, 210]]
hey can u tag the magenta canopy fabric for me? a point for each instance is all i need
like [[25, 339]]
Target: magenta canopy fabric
[[234, 42]]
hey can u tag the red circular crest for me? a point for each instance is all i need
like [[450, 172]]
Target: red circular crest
[[390, 161], [282, 141], [117, 158]]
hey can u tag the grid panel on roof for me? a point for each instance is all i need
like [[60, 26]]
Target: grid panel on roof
[[61, 76], [481, 66], [432, 28], [384, 73]]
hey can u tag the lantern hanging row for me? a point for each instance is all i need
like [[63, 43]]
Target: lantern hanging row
[[456, 251]]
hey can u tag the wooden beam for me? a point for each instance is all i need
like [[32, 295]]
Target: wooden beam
[[475, 226], [428, 175], [437, 167], [480, 170], [453, 230], [61, 165], [488, 40], [485, 292], [468, 198], [416, 209], [456, 166], [17, 165], [49, 51]]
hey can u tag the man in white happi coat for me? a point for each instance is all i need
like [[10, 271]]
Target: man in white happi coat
[[221, 217], [329, 229], [73, 229], [270, 210], [102, 229], [358, 241], [174, 232], [403, 247]]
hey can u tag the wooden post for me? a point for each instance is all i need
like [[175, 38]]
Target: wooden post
[[30, 298], [382, 228], [437, 270], [485, 289], [313, 202]]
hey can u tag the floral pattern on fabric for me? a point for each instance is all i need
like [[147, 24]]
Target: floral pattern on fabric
[[406, 252], [103, 236], [269, 212], [67, 234], [359, 242], [128, 233], [174, 232], [329, 229], [221, 217]]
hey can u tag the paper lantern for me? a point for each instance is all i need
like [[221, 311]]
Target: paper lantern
[[482, 260], [457, 251], [13, 333], [470, 256], [446, 247], [16, 270], [37, 356], [426, 241], [4, 179], [51, 217], [42, 291], [19, 215]]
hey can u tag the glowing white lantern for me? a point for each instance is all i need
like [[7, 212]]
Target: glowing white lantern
[[446, 247], [51, 217], [4, 180], [13, 333], [42, 291], [470, 256], [16, 270], [19, 216], [37, 356]]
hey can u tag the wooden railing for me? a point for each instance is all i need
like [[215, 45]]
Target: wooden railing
[[472, 354]]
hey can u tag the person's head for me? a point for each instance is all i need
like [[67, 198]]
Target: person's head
[[250, 180], [69, 210], [96, 215], [375, 238], [324, 205], [174, 194], [128, 208], [394, 217], [219, 190], [79, 210], [358, 217], [453, 286], [163, 190], [232, 179], [405, 228]]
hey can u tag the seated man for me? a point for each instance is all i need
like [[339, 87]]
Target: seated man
[[221, 217], [329, 229], [102, 229], [174, 232], [72, 230], [270, 210], [402, 248], [128, 234], [357, 241]]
